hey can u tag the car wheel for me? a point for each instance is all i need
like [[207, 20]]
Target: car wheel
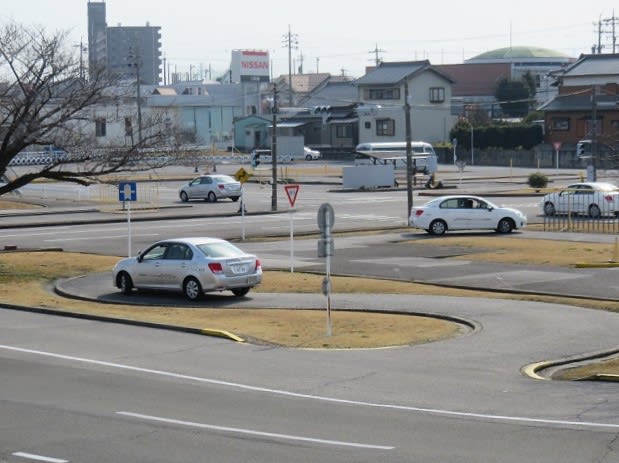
[[594, 211], [438, 227], [184, 197], [308, 157], [240, 292], [124, 282], [505, 226], [234, 198], [549, 209], [211, 197], [192, 289]]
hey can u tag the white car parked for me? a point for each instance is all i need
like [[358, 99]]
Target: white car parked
[[595, 199], [310, 154], [465, 212]]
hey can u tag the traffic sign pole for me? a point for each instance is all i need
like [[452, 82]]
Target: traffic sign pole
[[292, 192], [128, 192], [242, 213], [326, 219], [291, 214]]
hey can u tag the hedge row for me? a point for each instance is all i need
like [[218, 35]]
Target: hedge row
[[500, 136]]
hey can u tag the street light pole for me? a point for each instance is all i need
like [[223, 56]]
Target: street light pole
[[472, 145], [409, 152], [135, 57], [274, 152], [594, 134]]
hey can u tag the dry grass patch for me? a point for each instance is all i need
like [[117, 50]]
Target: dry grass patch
[[25, 278], [491, 248], [10, 204], [604, 367]]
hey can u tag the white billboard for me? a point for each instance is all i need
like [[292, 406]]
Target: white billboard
[[250, 66]]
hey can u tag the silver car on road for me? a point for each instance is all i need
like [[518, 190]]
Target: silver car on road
[[193, 266], [211, 187]]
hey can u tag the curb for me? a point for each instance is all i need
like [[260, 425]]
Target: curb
[[123, 321], [533, 370]]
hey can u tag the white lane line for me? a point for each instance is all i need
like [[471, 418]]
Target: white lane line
[[31, 456], [246, 387], [255, 433], [104, 237]]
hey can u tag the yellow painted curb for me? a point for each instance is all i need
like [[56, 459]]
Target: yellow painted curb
[[532, 369], [222, 334], [597, 265]]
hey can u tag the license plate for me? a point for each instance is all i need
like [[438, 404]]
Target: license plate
[[239, 269]]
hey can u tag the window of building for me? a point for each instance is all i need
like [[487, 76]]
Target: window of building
[[100, 128], [589, 127], [560, 124], [385, 127], [343, 131], [383, 94], [368, 125], [437, 94]]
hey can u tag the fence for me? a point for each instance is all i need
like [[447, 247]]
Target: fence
[[576, 211]]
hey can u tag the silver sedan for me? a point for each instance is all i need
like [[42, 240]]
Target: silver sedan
[[193, 266], [211, 187]]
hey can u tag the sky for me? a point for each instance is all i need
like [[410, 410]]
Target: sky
[[338, 37]]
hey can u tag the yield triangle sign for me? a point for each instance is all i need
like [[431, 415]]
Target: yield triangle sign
[[292, 191]]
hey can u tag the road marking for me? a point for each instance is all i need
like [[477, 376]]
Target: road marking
[[246, 387], [255, 433], [31, 456], [99, 237]]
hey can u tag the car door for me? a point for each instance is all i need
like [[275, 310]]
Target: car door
[[174, 266], [481, 215], [453, 212], [147, 272], [565, 200], [195, 188]]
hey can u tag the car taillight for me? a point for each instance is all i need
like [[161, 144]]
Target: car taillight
[[418, 212], [609, 198], [258, 264], [221, 186], [215, 267]]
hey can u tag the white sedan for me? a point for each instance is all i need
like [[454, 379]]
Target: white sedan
[[465, 212], [594, 199]]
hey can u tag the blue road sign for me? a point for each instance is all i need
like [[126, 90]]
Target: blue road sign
[[127, 191]]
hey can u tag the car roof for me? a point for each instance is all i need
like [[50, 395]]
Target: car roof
[[594, 184], [195, 240]]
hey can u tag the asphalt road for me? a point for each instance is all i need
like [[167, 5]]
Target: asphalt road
[[80, 390]]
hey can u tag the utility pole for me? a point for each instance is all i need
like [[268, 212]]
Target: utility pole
[[377, 58], [290, 41], [134, 61], [409, 152], [594, 91], [274, 151]]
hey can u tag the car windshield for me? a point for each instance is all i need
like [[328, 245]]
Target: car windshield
[[220, 249]]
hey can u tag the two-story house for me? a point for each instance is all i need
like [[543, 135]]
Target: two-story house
[[382, 103], [587, 106]]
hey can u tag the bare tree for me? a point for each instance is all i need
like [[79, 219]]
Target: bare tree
[[46, 101]]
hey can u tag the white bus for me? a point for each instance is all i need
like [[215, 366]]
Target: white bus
[[424, 156]]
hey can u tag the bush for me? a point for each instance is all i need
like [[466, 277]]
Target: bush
[[537, 180]]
